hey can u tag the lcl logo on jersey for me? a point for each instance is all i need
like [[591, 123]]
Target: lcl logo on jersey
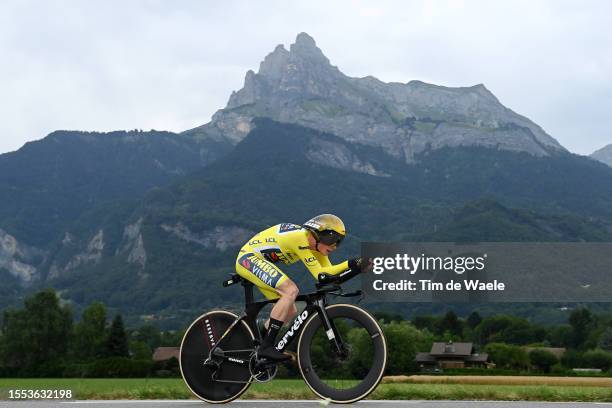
[[310, 260]]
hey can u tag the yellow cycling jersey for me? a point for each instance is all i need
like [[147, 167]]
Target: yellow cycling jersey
[[288, 243]]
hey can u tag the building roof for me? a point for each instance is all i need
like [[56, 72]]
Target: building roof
[[165, 353], [454, 351], [478, 358], [424, 358], [451, 349]]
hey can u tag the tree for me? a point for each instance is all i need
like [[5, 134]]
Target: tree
[[597, 359], [117, 343], [388, 317], [508, 329], [404, 341], [561, 336], [148, 334], [507, 356], [140, 350], [90, 333], [488, 330], [424, 322], [572, 359], [580, 319], [542, 359], [172, 338], [449, 323], [473, 320], [605, 340], [36, 338]]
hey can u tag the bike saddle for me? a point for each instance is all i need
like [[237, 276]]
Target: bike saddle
[[233, 279]]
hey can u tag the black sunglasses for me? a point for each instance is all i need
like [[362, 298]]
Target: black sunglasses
[[330, 237]]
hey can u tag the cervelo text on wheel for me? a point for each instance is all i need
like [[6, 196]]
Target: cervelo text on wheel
[[341, 349]]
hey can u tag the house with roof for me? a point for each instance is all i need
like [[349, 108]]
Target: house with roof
[[165, 353], [452, 355]]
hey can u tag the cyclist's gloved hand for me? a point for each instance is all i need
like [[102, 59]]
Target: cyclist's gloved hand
[[360, 265], [367, 266], [355, 264]]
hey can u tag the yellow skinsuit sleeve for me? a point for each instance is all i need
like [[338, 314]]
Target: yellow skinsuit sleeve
[[318, 263]]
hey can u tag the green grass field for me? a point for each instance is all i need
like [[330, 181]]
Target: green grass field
[[296, 389]]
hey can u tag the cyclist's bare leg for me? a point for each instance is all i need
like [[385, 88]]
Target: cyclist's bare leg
[[285, 307], [287, 291], [292, 313], [290, 316]]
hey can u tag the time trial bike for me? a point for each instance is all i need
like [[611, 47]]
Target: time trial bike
[[341, 349]]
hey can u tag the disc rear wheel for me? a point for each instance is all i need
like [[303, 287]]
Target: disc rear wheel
[[225, 375]]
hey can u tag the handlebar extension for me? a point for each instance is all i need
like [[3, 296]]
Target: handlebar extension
[[326, 278]]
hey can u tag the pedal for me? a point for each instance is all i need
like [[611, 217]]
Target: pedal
[[262, 370], [263, 364]]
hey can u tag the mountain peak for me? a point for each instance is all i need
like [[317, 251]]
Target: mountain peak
[[306, 48], [603, 155], [301, 86], [274, 63], [304, 52], [281, 70], [304, 40]]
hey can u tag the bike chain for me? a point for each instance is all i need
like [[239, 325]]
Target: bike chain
[[262, 376], [270, 372]]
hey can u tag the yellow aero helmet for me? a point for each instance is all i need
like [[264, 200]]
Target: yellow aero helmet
[[327, 229]]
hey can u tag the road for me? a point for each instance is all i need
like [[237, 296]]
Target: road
[[297, 404]]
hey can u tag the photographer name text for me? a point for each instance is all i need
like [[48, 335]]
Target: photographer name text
[[428, 285]]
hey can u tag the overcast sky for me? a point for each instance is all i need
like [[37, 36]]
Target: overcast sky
[[169, 65]]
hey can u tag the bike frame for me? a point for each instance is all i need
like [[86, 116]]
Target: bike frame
[[315, 302]]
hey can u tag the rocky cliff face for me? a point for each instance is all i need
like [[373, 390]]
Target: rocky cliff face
[[18, 259], [603, 155], [220, 238], [301, 86]]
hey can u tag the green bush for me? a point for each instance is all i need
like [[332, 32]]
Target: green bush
[[558, 369], [167, 368], [404, 341], [572, 359], [597, 359], [542, 359], [76, 370], [507, 356]]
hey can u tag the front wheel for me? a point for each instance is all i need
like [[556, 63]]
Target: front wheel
[[225, 375], [353, 373]]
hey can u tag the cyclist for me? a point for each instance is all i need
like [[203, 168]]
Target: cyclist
[[289, 243]]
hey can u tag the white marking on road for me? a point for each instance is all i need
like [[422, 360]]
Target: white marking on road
[[260, 401], [178, 401]]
